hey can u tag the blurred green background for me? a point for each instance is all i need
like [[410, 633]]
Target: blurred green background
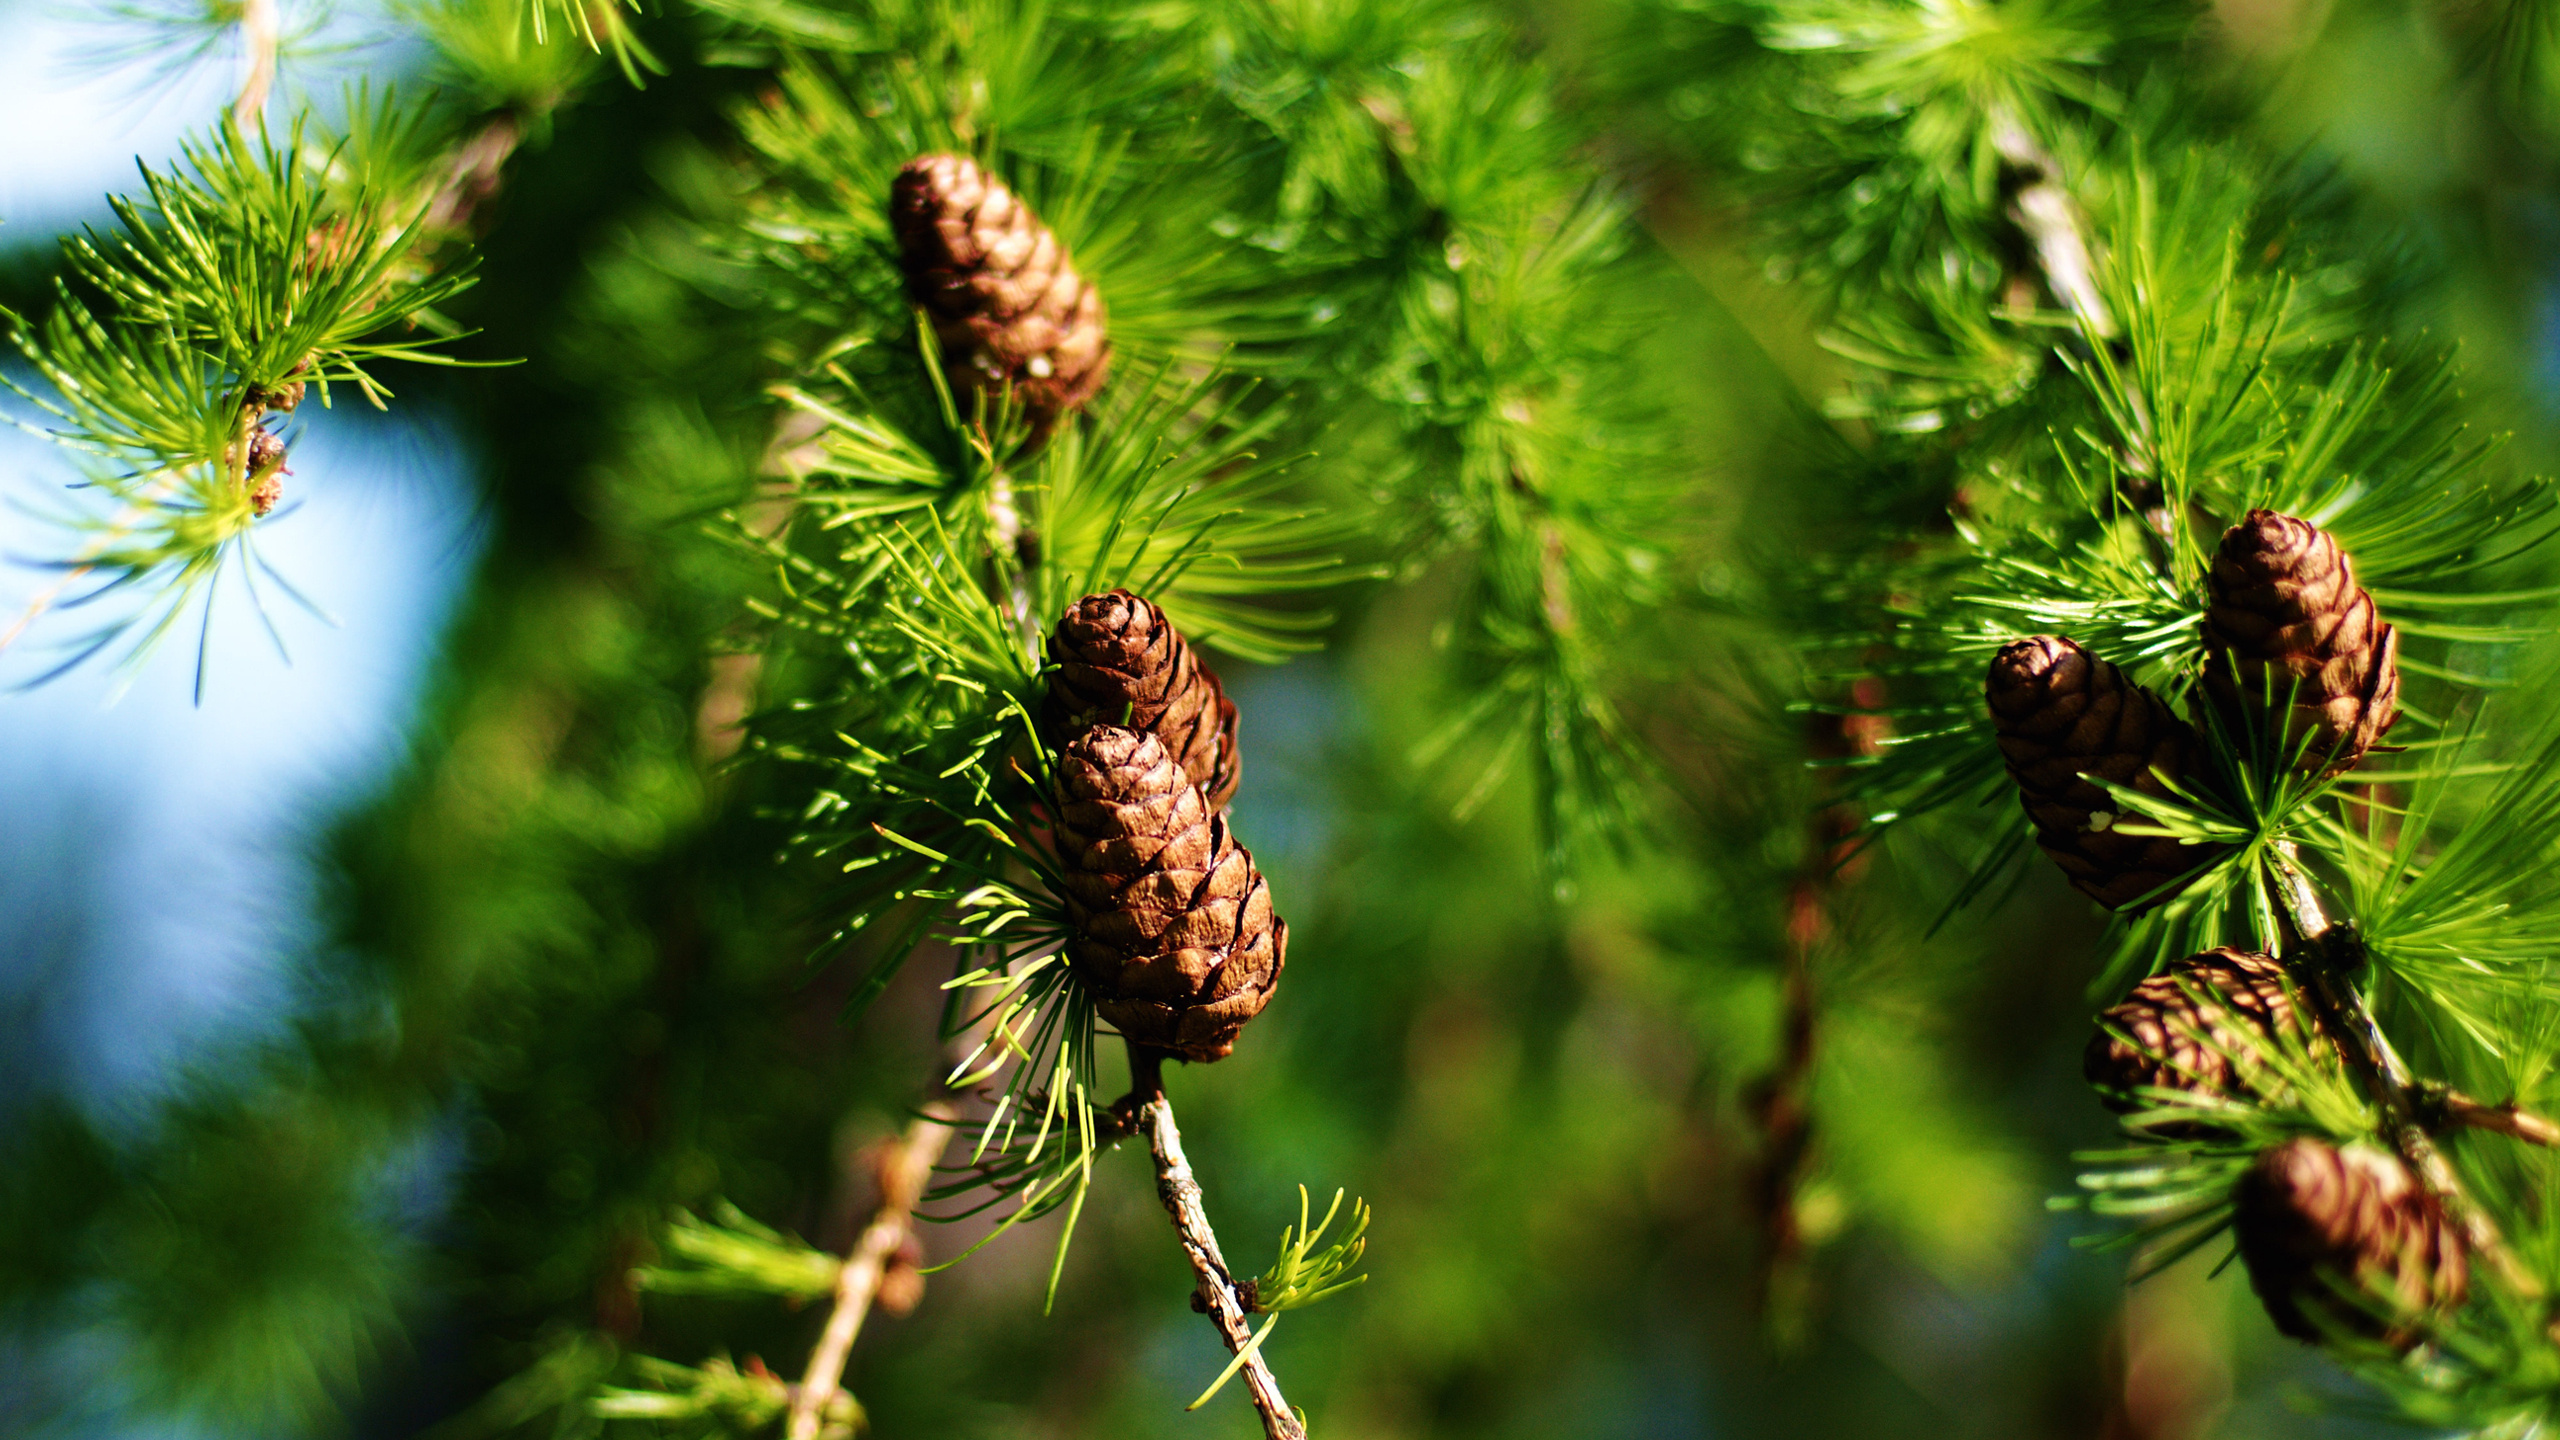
[[452, 895]]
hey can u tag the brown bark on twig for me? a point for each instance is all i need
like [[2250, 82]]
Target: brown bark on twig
[[1226, 1302], [904, 1168], [2457, 1108], [473, 175], [2066, 260]]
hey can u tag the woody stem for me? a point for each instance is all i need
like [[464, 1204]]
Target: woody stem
[[1219, 1295], [261, 32], [902, 1179], [2457, 1108], [2334, 951]]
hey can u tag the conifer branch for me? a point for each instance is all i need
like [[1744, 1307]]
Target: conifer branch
[[473, 173], [261, 32], [2456, 1108], [904, 1169], [1226, 1302], [1783, 1103], [2044, 209], [2344, 1014]]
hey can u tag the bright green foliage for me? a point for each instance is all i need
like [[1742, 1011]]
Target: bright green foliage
[[734, 1253], [1381, 321], [248, 266], [297, 255], [2086, 459], [1297, 1278], [1413, 352]]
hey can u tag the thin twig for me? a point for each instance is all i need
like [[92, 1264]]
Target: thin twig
[[472, 176], [261, 32], [2350, 1022], [2067, 261], [903, 1172], [2455, 1108], [2044, 209], [1219, 1294]]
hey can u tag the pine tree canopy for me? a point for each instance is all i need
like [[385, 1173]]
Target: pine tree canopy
[[987, 649]]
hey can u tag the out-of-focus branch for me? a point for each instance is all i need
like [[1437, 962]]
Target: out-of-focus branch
[[472, 175], [2452, 1107], [2057, 229], [904, 1168], [1781, 1101], [2044, 209], [261, 33], [1224, 1300]]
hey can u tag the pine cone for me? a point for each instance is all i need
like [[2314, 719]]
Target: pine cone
[[1174, 932], [2201, 1026], [2062, 713], [1006, 303], [285, 394], [266, 469], [2284, 616], [2311, 1217], [1120, 662]]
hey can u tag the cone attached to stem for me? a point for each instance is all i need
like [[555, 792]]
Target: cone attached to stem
[[2286, 624], [265, 471], [2345, 1241], [1121, 662], [2064, 714], [1175, 936], [1005, 301], [2205, 1026]]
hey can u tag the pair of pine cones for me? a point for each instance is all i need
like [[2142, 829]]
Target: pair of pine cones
[[2286, 628], [1174, 934], [2338, 1240], [1175, 937]]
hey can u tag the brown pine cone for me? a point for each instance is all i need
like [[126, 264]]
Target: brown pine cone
[[266, 469], [1005, 301], [1120, 662], [2311, 1217], [2201, 1026], [283, 396], [1174, 932], [2283, 617], [2062, 713]]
